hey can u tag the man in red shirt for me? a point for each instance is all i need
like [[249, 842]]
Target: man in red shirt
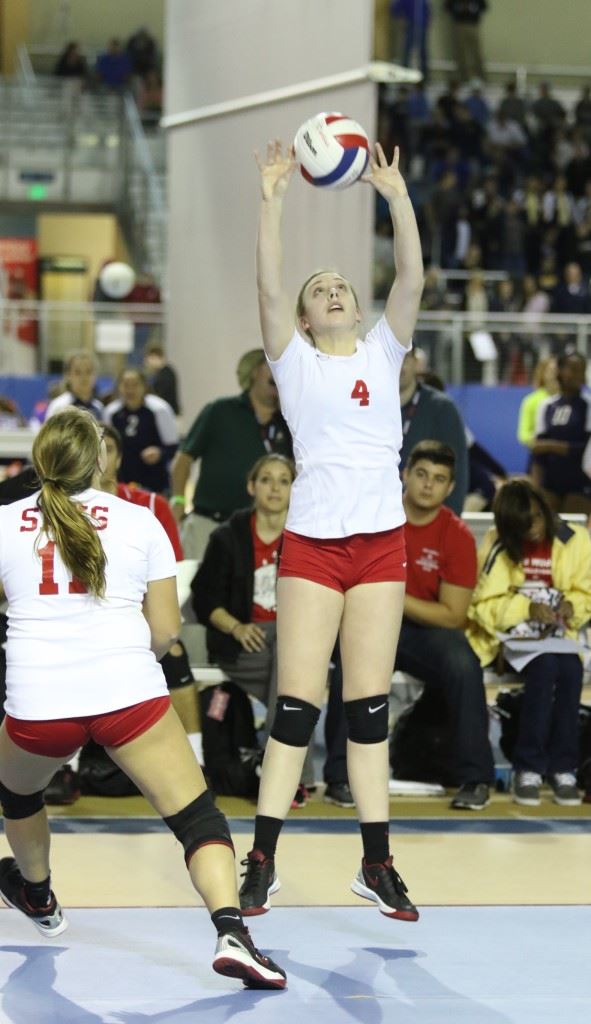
[[441, 575]]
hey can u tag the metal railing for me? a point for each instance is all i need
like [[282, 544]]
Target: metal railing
[[36, 336], [451, 349]]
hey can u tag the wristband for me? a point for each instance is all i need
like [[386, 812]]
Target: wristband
[[177, 499]]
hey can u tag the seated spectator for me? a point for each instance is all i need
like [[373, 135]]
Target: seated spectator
[[234, 589], [533, 595], [560, 450], [71, 63], [583, 112], [441, 574], [547, 110], [545, 384], [228, 436], [477, 103], [148, 430], [572, 295], [113, 67], [578, 169], [512, 106], [80, 380], [508, 342], [427, 413], [161, 376]]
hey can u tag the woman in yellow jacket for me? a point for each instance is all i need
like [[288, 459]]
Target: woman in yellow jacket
[[532, 596]]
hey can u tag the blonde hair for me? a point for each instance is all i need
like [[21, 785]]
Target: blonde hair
[[300, 307], [540, 371], [264, 460], [65, 454], [247, 364]]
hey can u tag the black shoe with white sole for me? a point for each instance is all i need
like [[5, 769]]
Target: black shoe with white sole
[[48, 920], [471, 796], [236, 956], [260, 882], [384, 886]]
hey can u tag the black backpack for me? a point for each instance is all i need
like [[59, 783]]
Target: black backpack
[[231, 751], [420, 744], [100, 776]]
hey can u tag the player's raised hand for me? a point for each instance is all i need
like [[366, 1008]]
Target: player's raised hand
[[276, 170], [385, 177]]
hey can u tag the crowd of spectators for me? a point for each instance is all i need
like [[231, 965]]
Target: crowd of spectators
[[135, 64], [502, 188]]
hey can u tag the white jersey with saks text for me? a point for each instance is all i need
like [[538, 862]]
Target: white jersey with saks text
[[69, 653], [344, 416]]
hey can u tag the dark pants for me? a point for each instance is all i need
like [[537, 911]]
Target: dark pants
[[335, 726], [548, 739], [443, 660]]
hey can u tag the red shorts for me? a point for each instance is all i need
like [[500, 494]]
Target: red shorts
[[62, 737], [345, 562]]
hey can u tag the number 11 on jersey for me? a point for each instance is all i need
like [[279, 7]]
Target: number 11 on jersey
[[48, 584]]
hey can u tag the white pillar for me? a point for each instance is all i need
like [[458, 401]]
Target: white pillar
[[222, 50]]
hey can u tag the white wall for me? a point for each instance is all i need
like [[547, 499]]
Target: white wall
[[94, 22], [217, 51]]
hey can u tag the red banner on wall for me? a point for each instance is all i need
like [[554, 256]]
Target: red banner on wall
[[19, 279]]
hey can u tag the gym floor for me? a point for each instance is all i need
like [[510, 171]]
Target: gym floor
[[505, 899]]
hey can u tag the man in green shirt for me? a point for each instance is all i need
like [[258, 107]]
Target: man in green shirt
[[228, 436]]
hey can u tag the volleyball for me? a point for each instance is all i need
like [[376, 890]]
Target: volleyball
[[117, 279], [332, 150]]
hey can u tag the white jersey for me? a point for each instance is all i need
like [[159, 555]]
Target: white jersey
[[69, 653], [344, 416]]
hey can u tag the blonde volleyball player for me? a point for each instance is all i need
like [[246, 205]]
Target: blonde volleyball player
[[91, 589], [343, 562]]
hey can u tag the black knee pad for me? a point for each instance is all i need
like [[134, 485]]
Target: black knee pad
[[294, 722], [200, 823], [176, 668], [368, 718], [16, 806]]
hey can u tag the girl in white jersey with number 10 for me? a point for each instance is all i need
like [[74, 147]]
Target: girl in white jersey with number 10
[[342, 568], [90, 581]]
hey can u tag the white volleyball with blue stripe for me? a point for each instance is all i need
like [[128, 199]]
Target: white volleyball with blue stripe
[[332, 150]]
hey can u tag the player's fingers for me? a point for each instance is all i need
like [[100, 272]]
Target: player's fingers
[[380, 156], [396, 159]]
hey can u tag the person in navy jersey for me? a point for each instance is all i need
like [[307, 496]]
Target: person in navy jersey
[[561, 455], [80, 379], [343, 563], [148, 430], [441, 575]]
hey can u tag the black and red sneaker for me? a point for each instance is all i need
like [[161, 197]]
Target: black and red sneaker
[[49, 920], [260, 882], [300, 797], [236, 956], [384, 886]]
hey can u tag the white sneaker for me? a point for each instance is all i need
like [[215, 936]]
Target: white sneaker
[[237, 957], [564, 789], [526, 789]]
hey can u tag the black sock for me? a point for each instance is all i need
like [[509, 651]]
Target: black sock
[[38, 894], [376, 841], [266, 834], [227, 919]]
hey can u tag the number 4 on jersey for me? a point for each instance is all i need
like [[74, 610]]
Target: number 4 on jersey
[[360, 392]]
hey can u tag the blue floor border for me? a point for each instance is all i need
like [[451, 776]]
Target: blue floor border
[[339, 826]]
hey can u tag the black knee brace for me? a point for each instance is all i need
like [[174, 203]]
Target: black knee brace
[[295, 721], [16, 806], [200, 823], [176, 668], [368, 719]]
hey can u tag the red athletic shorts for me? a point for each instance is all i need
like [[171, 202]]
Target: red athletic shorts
[[62, 737], [345, 562]]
